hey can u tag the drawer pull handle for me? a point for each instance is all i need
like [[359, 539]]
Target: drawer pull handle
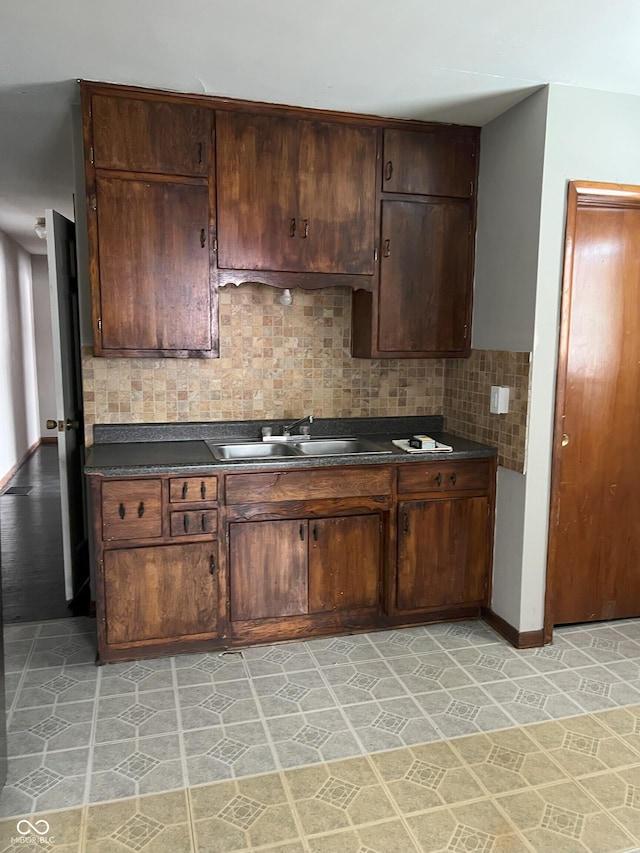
[[439, 479], [203, 238], [121, 511], [212, 564], [185, 523], [140, 509], [405, 522], [388, 170], [292, 228], [453, 478], [315, 532], [306, 228], [203, 490], [204, 522], [185, 489], [302, 532], [386, 252]]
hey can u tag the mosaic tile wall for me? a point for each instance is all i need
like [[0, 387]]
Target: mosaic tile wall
[[275, 362], [467, 387]]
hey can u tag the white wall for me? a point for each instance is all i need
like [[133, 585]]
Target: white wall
[[509, 193], [591, 136], [528, 156], [19, 424], [43, 342]]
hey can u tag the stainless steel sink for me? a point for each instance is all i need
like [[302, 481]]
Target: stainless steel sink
[[265, 450], [250, 450], [338, 446]]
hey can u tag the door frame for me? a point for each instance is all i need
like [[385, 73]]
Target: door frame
[[596, 194]]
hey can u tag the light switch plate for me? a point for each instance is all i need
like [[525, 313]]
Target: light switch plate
[[499, 403]]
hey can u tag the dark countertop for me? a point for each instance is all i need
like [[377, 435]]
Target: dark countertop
[[178, 448]]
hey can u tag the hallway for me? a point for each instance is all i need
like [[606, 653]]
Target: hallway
[[31, 541]]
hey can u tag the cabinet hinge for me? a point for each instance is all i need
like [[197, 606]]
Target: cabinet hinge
[[93, 202], [91, 154], [466, 331], [471, 188], [100, 324], [215, 245], [375, 254], [101, 567]]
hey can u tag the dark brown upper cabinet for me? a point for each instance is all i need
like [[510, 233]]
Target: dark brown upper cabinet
[[295, 196], [421, 303], [150, 219], [438, 161], [150, 136]]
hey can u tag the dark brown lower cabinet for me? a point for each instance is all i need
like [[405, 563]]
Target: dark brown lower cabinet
[[161, 592], [442, 553], [300, 567]]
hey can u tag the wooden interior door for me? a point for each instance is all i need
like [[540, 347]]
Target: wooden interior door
[[594, 534], [268, 568], [344, 563]]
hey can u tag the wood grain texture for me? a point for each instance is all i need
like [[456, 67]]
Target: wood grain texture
[[445, 475], [295, 195], [313, 484], [150, 136], [268, 573], [131, 509], [594, 548], [160, 592], [154, 272], [424, 290], [438, 161], [441, 552], [344, 563]]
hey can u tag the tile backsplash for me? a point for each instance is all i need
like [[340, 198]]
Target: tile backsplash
[[281, 361], [275, 362], [467, 388]]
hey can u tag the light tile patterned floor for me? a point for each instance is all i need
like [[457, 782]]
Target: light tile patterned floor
[[441, 738]]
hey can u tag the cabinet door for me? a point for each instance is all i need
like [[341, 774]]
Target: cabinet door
[[268, 569], [153, 252], [163, 592], [438, 162], [442, 552], [138, 135], [344, 563], [294, 195], [425, 277]]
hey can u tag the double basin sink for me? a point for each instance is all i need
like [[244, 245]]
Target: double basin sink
[[257, 450]]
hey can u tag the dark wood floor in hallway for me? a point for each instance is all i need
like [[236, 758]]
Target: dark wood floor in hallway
[[31, 541]]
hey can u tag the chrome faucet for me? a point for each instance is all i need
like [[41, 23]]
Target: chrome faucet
[[286, 430]]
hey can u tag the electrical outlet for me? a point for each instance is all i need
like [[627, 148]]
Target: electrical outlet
[[499, 402]]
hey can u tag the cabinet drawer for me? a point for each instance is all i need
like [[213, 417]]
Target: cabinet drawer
[[194, 522], [308, 485], [444, 476], [131, 509], [190, 489]]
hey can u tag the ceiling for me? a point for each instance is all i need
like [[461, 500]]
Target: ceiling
[[458, 61]]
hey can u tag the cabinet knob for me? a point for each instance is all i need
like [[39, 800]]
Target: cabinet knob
[[305, 232], [565, 439], [203, 237], [388, 170], [212, 564], [203, 490], [438, 479], [185, 522], [453, 478], [121, 511], [405, 522], [185, 489], [302, 532], [386, 252], [292, 228], [140, 509]]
